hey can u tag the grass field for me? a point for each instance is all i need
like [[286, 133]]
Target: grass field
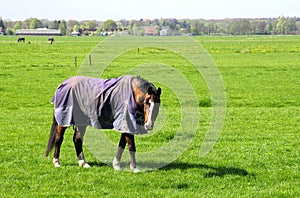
[[256, 155]]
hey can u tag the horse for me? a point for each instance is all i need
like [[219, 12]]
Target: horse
[[126, 104], [21, 39], [51, 40]]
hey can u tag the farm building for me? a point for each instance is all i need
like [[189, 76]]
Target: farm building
[[39, 32]]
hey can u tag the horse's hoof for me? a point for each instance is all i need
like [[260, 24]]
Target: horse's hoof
[[83, 164], [134, 169], [86, 165], [116, 164], [117, 168], [56, 163]]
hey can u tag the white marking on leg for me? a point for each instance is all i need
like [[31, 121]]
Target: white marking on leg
[[134, 168], [116, 164], [56, 162], [133, 165], [82, 163]]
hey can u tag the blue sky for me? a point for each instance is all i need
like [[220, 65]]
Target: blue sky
[[147, 9]]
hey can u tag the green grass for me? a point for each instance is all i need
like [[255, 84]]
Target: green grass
[[257, 154]]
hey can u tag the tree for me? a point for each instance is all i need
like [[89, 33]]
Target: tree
[[46, 23], [210, 28], [281, 25], [109, 24], [240, 27], [91, 24], [259, 27], [71, 24], [298, 26], [291, 27], [54, 25], [76, 27], [269, 28], [138, 30], [26, 24], [9, 31], [18, 25], [2, 25], [35, 23], [63, 27], [197, 27]]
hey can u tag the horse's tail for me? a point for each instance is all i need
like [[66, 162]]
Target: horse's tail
[[51, 140]]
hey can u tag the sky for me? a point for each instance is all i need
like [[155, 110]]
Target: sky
[[147, 9]]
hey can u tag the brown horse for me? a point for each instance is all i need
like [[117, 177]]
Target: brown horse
[[127, 104]]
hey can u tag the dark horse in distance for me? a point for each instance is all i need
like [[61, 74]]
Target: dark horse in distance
[[51, 40], [21, 39], [127, 104]]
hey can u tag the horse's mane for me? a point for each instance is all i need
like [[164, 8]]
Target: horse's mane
[[143, 84]]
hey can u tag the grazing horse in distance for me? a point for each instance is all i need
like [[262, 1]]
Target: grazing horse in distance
[[21, 39], [126, 104], [51, 40]]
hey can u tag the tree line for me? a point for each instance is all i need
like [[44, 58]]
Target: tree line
[[240, 26]]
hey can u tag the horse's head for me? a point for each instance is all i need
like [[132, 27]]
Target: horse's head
[[151, 106], [147, 97]]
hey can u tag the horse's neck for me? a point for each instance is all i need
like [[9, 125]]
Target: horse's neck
[[139, 94]]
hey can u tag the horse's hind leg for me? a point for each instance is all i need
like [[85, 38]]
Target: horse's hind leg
[[78, 141], [60, 131]]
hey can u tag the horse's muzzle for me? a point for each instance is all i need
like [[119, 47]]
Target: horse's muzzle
[[148, 125]]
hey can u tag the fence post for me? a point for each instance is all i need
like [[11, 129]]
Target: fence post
[[90, 58], [75, 61]]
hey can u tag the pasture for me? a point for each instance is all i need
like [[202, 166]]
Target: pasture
[[256, 155]]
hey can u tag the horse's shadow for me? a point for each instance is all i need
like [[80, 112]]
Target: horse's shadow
[[213, 171]]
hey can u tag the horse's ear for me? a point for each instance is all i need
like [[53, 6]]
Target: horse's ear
[[159, 91], [150, 91]]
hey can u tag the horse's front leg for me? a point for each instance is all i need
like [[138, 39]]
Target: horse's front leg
[[78, 141], [59, 137], [132, 150], [117, 159]]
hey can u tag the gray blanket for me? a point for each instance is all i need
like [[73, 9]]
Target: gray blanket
[[101, 103]]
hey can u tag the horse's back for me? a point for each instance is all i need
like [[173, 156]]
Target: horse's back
[[86, 100]]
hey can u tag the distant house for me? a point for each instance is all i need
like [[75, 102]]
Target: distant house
[[87, 31], [163, 32], [150, 30], [114, 31], [39, 32], [75, 33]]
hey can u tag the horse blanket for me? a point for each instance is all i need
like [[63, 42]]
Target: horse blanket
[[100, 103]]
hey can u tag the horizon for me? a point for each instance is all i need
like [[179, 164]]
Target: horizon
[[84, 20], [136, 9]]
